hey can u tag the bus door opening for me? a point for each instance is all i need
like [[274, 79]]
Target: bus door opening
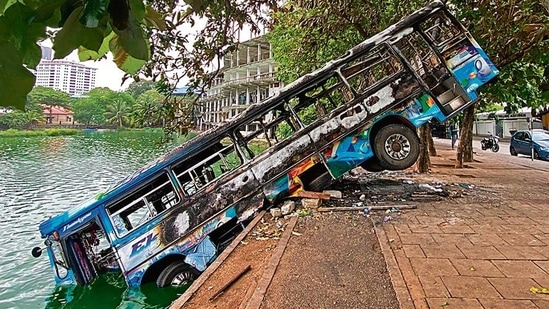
[[90, 253]]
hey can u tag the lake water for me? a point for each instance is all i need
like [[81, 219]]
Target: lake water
[[42, 176]]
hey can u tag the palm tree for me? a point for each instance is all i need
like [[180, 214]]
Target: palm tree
[[117, 112]]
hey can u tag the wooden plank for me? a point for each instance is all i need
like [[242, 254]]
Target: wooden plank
[[399, 207], [311, 194], [231, 282]]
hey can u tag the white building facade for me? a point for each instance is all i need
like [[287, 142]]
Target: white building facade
[[71, 77], [247, 77]]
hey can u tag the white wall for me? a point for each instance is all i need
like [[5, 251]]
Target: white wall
[[482, 127]]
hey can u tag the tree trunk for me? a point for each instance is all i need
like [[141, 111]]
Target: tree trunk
[[423, 162], [465, 147], [430, 142]]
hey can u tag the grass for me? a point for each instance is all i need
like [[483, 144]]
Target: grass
[[42, 132]]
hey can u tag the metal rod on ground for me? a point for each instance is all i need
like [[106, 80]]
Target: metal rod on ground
[[228, 284], [322, 209]]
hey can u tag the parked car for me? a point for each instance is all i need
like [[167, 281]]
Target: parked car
[[523, 141]]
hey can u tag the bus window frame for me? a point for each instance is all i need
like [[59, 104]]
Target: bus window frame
[[152, 212]]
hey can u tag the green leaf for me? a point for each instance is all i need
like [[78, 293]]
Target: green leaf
[[85, 54], [5, 4], [74, 34], [123, 59], [133, 40], [137, 8], [15, 80], [18, 27], [154, 19], [93, 12], [48, 13]]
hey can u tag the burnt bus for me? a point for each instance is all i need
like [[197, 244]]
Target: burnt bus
[[167, 221]]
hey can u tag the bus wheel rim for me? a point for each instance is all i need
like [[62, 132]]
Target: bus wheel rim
[[182, 278], [397, 146]]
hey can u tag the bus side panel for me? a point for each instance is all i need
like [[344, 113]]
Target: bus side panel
[[289, 184], [200, 208], [187, 243], [281, 158], [133, 277]]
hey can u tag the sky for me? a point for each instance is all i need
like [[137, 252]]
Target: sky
[[108, 74]]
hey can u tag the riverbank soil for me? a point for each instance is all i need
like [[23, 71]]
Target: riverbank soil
[[479, 238]]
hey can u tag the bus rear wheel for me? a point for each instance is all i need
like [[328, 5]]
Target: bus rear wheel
[[320, 183], [177, 274], [396, 147]]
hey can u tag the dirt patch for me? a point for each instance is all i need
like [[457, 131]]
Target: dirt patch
[[335, 262]]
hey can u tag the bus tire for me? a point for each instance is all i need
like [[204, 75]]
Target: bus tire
[[396, 147], [177, 274], [320, 183], [372, 165]]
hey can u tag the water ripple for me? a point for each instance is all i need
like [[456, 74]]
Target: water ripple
[[42, 176]]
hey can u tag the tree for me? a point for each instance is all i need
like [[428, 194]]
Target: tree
[[88, 111], [148, 109], [135, 89], [48, 96], [117, 112], [144, 37]]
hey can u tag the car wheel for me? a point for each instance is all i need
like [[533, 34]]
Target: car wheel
[[536, 155], [396, 147], [513, 151], [372, 165], [177, 274], [320, 183]]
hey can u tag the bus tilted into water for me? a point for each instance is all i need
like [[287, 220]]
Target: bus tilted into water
[[166, 222]]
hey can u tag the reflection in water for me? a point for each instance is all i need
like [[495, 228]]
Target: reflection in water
[[43, 176]]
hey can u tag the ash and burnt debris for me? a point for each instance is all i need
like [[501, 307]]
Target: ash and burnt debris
[[361, 188]]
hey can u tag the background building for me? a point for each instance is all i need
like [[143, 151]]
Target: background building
[[71, 77], [247, 77]]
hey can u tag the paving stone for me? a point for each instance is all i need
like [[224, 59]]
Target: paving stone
[[476, 268], [469, 287], [490, 303], [519, 220], [485, 239], [521, 252], [541, 303], [457, 303], [481, 253], [543, 227], [402, 229], [520, 269], [452, 239], [543, 265], [457, 229], [413, 251], [424, 228], [442, 251], [544, 250], [521, 239], [514, 288], [416, 239], [492, 228], [433, 286], [428, 220], [432, 267]]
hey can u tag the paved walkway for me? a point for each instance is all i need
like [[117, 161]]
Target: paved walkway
[[486, 253]]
